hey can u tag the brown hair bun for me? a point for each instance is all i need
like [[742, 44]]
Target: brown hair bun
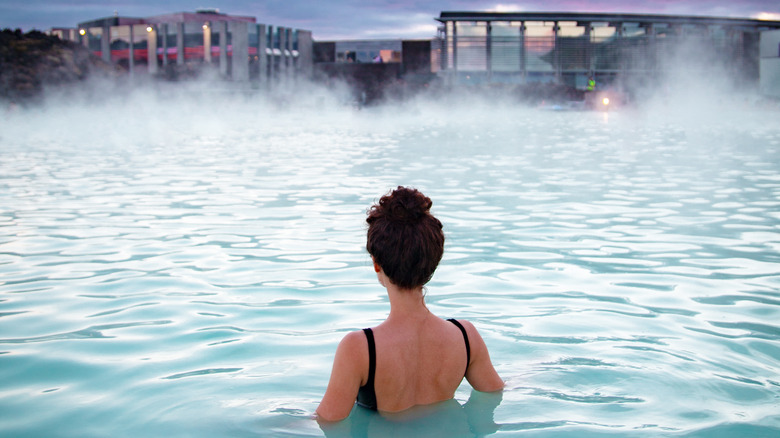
[[404, 238], [406, 205]]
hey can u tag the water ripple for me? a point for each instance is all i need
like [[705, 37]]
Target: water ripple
[[593, 398], [95, 332], [202, 372], [627, 266]]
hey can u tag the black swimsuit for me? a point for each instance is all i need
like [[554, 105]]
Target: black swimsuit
[[366, 394]]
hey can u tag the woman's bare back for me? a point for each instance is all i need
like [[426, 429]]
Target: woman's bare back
[[418, 363]]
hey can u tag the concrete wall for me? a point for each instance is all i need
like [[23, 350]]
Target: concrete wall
[[221, 27], [416, 56], [769, 63], [105, 43], [324, 52], [262, 55], [179, 43]]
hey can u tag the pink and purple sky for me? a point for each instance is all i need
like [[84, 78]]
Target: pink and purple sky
[[358, 19]]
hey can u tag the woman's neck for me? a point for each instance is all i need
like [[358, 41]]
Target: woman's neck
[[406, 304]]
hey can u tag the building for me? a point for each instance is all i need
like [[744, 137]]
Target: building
[[64, 33], [571, 48], [770, 63], [377, 69], [361, 51], [189, 42]]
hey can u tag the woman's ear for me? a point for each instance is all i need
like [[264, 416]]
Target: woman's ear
[[377, 269]]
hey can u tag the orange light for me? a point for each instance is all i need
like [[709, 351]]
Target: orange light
[[605, 101]]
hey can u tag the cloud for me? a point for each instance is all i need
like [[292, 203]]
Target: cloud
[[506, 8], [769, 16], [411, 31]]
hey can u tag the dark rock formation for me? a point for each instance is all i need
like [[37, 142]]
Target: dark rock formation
[[31, 61]]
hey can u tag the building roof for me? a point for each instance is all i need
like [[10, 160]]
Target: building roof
[[111, 21], [604, 17], [200, 16], [176, 17]]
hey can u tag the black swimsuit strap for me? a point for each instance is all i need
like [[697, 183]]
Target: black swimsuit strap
[[371, 356], [366, 395], [466, 340]]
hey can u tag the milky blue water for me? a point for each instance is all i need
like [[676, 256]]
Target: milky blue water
[[188, 270]]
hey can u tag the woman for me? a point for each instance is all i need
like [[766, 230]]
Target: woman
[[413, 357]]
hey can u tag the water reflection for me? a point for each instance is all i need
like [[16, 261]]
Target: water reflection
[[448, 418]]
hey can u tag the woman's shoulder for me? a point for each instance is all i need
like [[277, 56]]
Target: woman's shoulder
[[466, 324], [474, 338], [352, 353], [354, 341], [480, 373], [463, 322]]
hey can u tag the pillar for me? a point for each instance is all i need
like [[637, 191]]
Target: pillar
[[587, 48], [131, 60], [523, 63], [271, 55], [163, 29], [489, 50], [455, 47], [557, 52], [621, 50], [105, 43], [223, 63], [207, 42], [240, 60], [151, 46], [290, 63], [180, 43], [305, 53], [262, 55], [444, 50], [649, 58], [283, 53]]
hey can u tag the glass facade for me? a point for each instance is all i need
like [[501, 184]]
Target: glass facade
[[170, 41], [140, 43], [533, 47], [94, 36], [368, 51], [194, 42], [471, 46]]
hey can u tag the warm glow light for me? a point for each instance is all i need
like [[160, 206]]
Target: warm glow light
[[605, 101], [149, 28], [82, 32], [205, 26]]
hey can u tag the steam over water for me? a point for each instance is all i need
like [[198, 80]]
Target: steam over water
[[187, 267]]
